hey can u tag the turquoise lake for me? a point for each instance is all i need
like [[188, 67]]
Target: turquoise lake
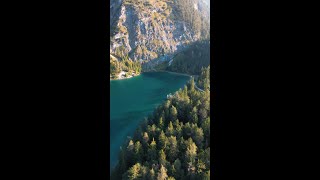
[[133, 99]]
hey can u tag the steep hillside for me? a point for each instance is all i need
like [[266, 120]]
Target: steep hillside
[[145, 30], [190, 61]]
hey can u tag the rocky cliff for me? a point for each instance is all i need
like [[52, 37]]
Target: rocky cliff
[[146, 30]]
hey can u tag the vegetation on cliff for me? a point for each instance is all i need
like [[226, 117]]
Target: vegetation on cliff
[[146, 29], [191, 60], [126, 65]]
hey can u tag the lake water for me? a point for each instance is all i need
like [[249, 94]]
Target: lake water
[[133, 99]]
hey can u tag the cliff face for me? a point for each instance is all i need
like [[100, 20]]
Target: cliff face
[[145, 30]]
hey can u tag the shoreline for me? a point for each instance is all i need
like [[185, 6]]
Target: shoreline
[[182, 74], [120, 76], [176, 73]]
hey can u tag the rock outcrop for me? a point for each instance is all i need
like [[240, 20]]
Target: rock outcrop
[[145, 30]]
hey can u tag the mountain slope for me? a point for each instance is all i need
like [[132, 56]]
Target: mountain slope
[[146, 30]]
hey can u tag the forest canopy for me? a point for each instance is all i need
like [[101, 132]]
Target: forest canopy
[[173, 142]]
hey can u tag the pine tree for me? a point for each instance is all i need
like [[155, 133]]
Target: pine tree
[[152, 174], [138, 151], [170, 129], [162, 175], [162, 140], [206, 129], [192, 84], [178, 131], [134, 172], [187, 129], [198, 136], [130, 145], [161, 123], [162, 157], [145, 138], [144, 172], [172, 150], [173, 113], [178, 169], [152, 130], [130, 153], [191, 154], [152, 151], [194, 115]]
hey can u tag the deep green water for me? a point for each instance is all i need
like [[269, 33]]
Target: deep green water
[[133, 99]]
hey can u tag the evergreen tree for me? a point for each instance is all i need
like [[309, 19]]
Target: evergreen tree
[[134, 172], [194, 115], [161, 123], [178, 131], [138, 151], [191, 154], [162, 140], [192, 84], [144, 172], [145, 138], [172, 150], [198, 136], [130, 153], [170, 129], [152, 151], [162, 157], [173, 113], [162, 175], [178, 169], [152, 174]]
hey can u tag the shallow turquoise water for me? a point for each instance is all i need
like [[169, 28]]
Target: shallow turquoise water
[[133, 99]]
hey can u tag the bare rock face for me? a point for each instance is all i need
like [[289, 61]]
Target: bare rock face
[[145, 30]]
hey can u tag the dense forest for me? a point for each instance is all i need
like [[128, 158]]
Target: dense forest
[[186, 12], [203, 80], [191, 60], [126, 64], [173, 142]]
